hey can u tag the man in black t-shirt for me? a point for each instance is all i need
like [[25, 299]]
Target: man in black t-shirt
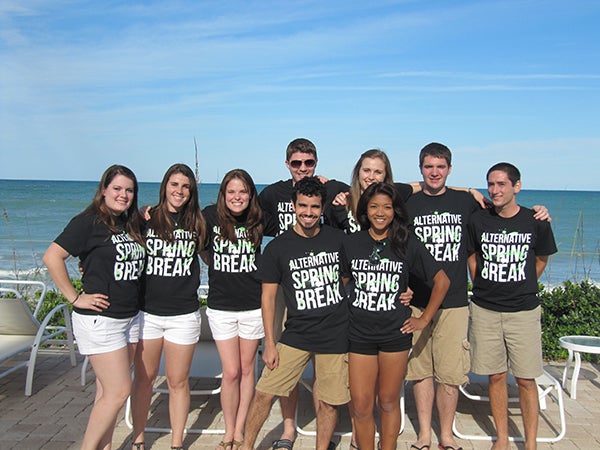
[[439, 217], [279, 216], [301, 160], [306, 262], [508, 251]]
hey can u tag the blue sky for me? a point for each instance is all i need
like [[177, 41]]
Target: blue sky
[[85, 84]]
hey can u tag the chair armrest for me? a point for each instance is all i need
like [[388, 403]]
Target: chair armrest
[[41, 334]]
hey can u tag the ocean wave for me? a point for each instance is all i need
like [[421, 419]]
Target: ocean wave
[[32, 273]]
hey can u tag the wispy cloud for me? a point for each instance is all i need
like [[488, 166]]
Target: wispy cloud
[[491, 76], [138, 76]]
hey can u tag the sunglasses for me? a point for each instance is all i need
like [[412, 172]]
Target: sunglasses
[[375, 256], [297, 163]]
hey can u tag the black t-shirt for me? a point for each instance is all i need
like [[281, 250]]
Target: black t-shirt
[[506, 248], [112, 263], [341, 217], [376, 314], [308, 270], [405, 190], [172, 273], [233, 281], [440, 222], [276, 203]]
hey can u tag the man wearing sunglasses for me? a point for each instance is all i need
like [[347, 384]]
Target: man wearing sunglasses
[[301, 160], [279, 216]]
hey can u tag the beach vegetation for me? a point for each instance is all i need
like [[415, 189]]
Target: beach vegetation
[[570, 309], [54, 297], [579, 262]]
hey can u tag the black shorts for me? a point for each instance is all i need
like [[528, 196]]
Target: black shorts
[[399, 344]]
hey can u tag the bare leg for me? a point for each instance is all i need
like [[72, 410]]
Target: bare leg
[[446, 401], [499, 405], [288, 411], [257, 414], [113, 374], [230, 383], [315, 389], [353, 439], [326, 421], [530, 407], [424, 392], [248, 350], [178, 359], [106, 441], [288, 404], [147, 361], [363, 371], [392, 368]]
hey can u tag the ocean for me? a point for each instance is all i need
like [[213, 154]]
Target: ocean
[[35, 212]]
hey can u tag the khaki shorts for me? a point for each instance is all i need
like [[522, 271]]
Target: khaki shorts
[[502, 341], [441, 349], [331, 372]]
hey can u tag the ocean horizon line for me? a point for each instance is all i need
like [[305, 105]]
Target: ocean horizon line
[[35, 211], [482, 189]]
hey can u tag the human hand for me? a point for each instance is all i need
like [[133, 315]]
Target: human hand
[[341, 199], [541, 213], [413, 324], [271, 356], [145, 212], [479, 198], [406, 296], [94, 302]]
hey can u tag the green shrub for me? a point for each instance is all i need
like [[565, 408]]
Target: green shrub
[[570, 309], [54, 298]]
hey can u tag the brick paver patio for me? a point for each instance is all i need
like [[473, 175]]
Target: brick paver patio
[[54, 417]]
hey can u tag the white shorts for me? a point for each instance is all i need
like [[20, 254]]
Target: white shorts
[[183, 329], [229, 324], [101, 334]]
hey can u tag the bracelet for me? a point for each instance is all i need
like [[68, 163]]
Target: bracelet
[[76, 298], [469, 191]]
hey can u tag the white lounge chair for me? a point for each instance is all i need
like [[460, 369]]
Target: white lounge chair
[[21, 331], [546, 384], [306, 381], [205, 364]]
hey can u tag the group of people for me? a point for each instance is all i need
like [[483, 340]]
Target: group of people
[[371, 278]]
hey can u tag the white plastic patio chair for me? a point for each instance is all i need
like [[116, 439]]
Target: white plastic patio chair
[[21, 331]]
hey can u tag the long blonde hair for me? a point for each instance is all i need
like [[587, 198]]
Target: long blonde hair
[[355, 189]]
